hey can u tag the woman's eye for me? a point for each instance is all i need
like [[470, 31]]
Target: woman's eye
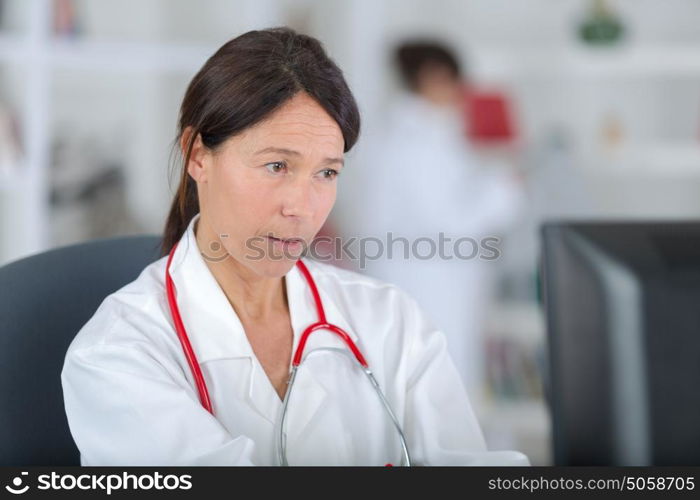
[[275, 167], [330, 173]]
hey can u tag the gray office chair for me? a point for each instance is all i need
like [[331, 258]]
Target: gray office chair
[[44, 301]]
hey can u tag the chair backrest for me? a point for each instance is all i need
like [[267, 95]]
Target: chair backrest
[[44, 301]]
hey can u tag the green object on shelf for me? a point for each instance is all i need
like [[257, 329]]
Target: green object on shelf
[[602, 27]]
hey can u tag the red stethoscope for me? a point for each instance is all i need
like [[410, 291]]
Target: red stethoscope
[[321, 324]]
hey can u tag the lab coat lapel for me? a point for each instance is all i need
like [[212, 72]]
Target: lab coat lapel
[[215, 331], [212, 325], [310, 391], [303, 309]]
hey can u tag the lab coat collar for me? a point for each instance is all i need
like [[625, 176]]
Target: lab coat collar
[[216, 332], [212, 324]]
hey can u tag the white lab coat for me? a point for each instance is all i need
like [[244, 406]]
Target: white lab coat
[[417, 177], [130, 397]]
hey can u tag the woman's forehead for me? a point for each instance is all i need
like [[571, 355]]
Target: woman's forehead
[[295, 126], [300, 113]]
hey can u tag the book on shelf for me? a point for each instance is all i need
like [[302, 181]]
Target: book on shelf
[[513, 370]]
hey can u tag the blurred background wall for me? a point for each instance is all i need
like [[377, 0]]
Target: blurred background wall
[[596, 108]]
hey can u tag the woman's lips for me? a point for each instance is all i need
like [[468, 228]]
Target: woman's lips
[[289, 245]]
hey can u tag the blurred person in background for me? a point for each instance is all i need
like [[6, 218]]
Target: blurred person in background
[[420, 178]]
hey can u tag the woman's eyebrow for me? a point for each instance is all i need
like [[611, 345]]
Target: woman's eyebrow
[[291, 152]]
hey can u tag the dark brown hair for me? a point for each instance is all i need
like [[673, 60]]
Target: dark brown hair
[[412, 56], [246, 80]]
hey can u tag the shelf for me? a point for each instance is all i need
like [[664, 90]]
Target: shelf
[[120, 56], [525, 413], [580, 62], [499, 62], [669, 160], [521, 321], [111, 56]]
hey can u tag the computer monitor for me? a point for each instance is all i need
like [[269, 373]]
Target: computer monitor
[[622, 302]]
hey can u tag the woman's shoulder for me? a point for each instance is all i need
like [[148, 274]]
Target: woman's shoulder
[[134, 313]]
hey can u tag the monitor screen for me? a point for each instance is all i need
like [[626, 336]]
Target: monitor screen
[[622, 303]]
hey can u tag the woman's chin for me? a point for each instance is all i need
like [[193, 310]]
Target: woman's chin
[[274, 268]]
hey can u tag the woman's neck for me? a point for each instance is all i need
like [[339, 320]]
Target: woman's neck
[[255, 298]]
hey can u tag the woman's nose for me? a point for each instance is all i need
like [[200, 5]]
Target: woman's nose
[[298, 200]]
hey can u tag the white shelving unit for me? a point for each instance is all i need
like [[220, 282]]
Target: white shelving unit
[[648, 173], [40, 55], [28, 190], [590, 63], [108, 47], [521, 423]]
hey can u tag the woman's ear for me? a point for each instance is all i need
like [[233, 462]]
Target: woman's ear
[[196, 166]]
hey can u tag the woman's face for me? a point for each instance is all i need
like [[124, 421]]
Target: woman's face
[[274, 181]]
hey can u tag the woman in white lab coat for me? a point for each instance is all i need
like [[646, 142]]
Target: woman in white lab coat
[[263, 128]]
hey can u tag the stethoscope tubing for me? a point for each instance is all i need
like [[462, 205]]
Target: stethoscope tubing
[[321, 324]]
